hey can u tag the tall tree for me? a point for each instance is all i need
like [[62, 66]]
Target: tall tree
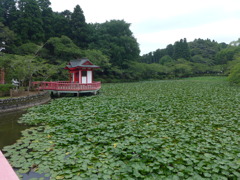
[[44, 4], [116, 40], [6, 37], [8, 11], [181, 50], [47, 18], [61, 23], [205, 48], [170, 50], [29, 25], [58, 50], [225, 55], [79, 27]]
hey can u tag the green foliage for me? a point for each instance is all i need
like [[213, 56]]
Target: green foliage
[[28, 48], [166, 59], [235, 43], [207, 49], [60, 48], [29, 25], [66, 35], [44, 4], [186, 129], [48, 21], [225, 55], [6, 36], [182, 68], [25, 68], [79, 28], [199, 68], [6, 87], [7, 11], [200, 59], [61, 23], [181, 50], [97, 58], [234, 76], [143, 71], [114, 38]]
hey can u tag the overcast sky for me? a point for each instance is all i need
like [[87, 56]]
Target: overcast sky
[[157, 23]]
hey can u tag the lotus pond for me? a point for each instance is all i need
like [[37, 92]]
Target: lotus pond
[[179, 129]]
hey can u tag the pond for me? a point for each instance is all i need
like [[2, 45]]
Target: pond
[[10, 129], [10, 132]]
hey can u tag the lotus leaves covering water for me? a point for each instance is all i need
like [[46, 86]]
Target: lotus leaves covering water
[[179, 129]]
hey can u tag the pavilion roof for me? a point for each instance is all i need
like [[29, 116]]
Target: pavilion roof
[[81, 63]]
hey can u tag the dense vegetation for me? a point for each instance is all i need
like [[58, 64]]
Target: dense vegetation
[[5, 87], [175, 129], [35, 39]]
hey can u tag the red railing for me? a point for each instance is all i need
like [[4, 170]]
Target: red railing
[[67, 86]]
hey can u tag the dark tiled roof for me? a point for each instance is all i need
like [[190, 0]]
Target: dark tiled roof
[[81, 63]]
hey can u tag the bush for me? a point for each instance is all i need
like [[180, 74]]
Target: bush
[[234, 76], [6, 87]]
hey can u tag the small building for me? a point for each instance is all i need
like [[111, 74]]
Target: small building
[[81, 71], [80, 79]]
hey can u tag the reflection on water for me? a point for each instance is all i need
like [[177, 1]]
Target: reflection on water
[[10, 130]]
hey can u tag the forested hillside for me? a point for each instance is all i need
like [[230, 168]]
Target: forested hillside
[[37, 43]]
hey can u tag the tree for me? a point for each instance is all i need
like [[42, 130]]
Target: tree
[[165, 59], [6, 37], [58, 50], [79, 28], [44, 4], [234, 76], [47, 18], [61, 23], [27, 49], [7, 12], [181, 50], [97, 58], [170, 50], [200, 68], [200, 59], [207, 49], [155, 56], [225, 55], [235, 43], [29, 25], [158, 54], [115, 39], [48, 23], [146, 58], [182, 68]]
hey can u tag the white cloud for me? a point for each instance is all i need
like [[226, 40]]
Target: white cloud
[[156, 23], [221, 31]]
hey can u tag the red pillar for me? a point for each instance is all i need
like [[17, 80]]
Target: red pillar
[[80, 77]]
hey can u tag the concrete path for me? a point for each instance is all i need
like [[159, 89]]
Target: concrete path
[[6, 171]]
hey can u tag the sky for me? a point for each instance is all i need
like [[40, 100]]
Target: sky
[[158, 23]]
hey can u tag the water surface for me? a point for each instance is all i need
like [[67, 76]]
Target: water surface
[[10, 129]]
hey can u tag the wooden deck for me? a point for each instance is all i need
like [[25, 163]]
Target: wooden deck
[[58, 87], [6, 171]]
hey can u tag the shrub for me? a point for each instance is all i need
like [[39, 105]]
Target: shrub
[[234, 76], [6, 87]]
